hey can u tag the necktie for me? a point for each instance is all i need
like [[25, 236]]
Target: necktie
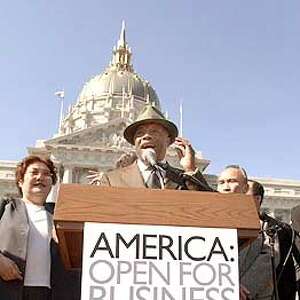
[[153, 180]]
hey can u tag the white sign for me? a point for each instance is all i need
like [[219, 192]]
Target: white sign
[[143, 262]]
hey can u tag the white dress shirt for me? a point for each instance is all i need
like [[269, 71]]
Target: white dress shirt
[[146, 171], [38, 260]]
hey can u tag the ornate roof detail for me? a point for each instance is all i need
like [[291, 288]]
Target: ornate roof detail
[[118, 92], [108, 135], [122, 53]]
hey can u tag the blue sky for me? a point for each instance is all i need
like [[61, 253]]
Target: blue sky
[[234, 64]]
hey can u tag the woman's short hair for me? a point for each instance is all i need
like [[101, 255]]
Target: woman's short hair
[[26, 162]]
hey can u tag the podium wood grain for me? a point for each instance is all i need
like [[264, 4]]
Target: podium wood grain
[[77, 204]]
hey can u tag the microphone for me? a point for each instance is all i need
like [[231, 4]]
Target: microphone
[[181, 178], [149, 156], [173, 174], [197, 182], [272, 221]]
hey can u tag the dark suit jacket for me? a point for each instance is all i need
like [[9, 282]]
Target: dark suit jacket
[[256, 272], [14, 230], [255, 269], [131, 176], [286, 275]]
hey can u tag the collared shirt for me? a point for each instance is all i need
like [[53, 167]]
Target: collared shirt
[[147, 170]]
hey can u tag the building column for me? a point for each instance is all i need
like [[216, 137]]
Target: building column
[[67, 178], [53, 193]]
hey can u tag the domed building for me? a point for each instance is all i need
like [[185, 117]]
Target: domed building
[[116, 93], [90, 136]]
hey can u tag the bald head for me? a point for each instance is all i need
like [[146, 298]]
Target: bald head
[[233, 180]]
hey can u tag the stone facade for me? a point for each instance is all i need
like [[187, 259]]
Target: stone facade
[[7, 178], [281, 195]]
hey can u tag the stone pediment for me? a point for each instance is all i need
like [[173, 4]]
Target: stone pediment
[[105, 135], [109, 137]]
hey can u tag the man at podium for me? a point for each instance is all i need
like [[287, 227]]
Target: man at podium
[[151, 134]]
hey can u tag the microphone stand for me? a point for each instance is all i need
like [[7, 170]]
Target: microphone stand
[[181, 178], [272, 233], [173, 174], [276, 226]]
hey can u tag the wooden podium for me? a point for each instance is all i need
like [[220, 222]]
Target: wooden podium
[[77, 204]]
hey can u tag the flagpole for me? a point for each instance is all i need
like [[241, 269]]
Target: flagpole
[[61, 96], [61, 111], [181, 119]]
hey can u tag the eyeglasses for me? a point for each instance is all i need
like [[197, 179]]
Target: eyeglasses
[[35, 173]]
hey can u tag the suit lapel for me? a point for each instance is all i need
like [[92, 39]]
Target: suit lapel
[[170, 184], [132, 176], [21, 210]]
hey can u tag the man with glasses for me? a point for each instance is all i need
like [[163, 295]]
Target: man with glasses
[[28, 253]]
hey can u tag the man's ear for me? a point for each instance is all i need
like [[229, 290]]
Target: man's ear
[[20, 183], [246, 188]]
